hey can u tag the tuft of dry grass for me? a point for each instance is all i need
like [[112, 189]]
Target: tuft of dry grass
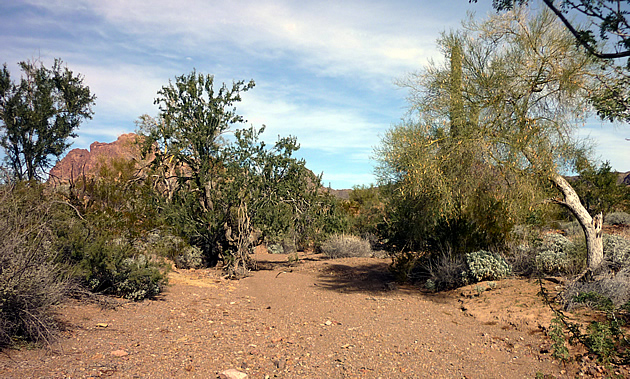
[[346, 246]]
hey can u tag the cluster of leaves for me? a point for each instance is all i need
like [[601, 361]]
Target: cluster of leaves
[[618, 218], [39, 114], [555, 253], [599, 189], [367, 212], [485, 265]]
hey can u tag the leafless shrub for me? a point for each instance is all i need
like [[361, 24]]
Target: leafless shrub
[[346, 246]]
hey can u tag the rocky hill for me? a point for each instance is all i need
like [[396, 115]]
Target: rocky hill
[[80, 162]]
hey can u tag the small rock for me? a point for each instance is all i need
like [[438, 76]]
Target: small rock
[[119, 353], [102, 325], [328, 323], [279, 363], [232, 374]]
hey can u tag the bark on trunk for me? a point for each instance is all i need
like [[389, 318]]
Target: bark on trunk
[[592, 226]]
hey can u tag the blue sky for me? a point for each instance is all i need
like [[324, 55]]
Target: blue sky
[[324, 70]]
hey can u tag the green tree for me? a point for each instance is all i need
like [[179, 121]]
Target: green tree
[[186, 141], [39, 114], [599, 189], [225, 194], [607, 23], [526, 88]]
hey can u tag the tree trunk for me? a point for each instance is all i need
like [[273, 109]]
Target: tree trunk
[[592, 226]]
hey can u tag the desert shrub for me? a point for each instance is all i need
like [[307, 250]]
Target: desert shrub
[[117, 269], [346, 246], [31, 283], [485, 265], [557, 254], [616, 249], [552, 261], [614, 286], [618, 218], [190, 257], [444, 271]]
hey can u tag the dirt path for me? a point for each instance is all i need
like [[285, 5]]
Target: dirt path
[[318, 319]]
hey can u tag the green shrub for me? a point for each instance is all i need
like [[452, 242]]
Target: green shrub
[[552, 261], [618, 218], [557, 254], [484, 265], [346, 246], [116, 269]]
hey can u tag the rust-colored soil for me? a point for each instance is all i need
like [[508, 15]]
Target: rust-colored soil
[[318, 318]]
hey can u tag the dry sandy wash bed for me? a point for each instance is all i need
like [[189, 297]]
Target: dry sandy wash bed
[[319, 318]]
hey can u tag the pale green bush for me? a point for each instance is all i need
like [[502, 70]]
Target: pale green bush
[[618, 218], [616, 249], [189, 257], [485, 265]]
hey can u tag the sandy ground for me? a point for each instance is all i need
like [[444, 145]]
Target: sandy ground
[[319, 318]]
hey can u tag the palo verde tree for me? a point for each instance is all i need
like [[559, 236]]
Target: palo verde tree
[[38, 114], [601, 28], [524, 93]]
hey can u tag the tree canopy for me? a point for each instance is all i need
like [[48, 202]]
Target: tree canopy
[[39, 113], [515, 115]]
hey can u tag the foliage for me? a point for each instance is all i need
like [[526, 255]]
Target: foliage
[[484, 265], [31, 282], [607, 28], [598, 188], [553, 254], [618, 218], [346, 246], [463, 174], [116, 269], [606, 15], [444, 271], [559, 339], [616, 250], [225, 194], [366, 207], [107, 233], [39, 114], [605, 340]]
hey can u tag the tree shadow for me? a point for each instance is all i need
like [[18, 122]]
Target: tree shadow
[[373, 278]]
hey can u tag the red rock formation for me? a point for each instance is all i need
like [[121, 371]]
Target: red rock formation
[[81, 161]]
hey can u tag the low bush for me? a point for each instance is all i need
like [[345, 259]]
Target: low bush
[[190, 257], [618, 218], [117, 269], [485, 265], [616, 249], [557, 254], [444, 271], [31, 283], [346, 246]]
